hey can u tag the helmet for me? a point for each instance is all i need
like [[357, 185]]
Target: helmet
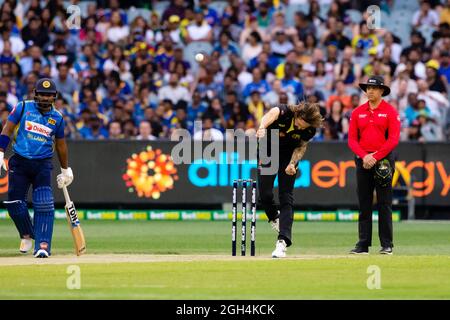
[[383, 173], [45, 93]]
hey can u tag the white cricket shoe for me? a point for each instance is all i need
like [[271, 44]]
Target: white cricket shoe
[[26, 245], [280, 249], [41, 253], [275, 224]]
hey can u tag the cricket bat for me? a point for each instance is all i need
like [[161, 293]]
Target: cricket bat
[[74, 225]]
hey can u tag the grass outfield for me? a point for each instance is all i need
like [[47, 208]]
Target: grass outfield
[[191, 260]]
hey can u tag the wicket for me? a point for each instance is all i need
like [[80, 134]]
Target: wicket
[[236, 184]]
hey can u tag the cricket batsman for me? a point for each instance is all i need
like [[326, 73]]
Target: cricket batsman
[[296, 125], [35, 126]]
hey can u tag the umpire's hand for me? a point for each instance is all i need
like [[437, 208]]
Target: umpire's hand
[[369, 161]]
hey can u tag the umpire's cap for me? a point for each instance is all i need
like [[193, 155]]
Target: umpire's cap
[[46, 85], [376, 81]]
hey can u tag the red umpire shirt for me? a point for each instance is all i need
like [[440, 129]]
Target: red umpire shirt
[[374, 130]]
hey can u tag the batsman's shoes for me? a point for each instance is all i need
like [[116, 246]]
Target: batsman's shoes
[[360, 250], [41, 253], [386, 250], [275, 224], [280, 249], [26, 245]]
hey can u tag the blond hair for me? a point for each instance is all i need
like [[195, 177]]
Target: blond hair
[[309, 112]]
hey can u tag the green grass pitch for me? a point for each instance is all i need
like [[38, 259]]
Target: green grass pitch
[[191, 260]]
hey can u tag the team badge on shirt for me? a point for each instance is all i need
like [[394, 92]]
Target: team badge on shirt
[[51, 121]]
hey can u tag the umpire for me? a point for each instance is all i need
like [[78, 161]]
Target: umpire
[[373, 134]]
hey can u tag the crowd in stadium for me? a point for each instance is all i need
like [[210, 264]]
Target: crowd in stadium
[[144, 71]]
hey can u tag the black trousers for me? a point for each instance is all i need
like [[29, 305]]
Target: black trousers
[[365, 187], [285, 195]]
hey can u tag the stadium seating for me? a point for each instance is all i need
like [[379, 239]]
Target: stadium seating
[[291, 10], [133, 13], [355, 16], [160, 7], [219, 6]]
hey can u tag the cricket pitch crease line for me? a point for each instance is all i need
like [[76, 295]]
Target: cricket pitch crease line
[[148, 258]]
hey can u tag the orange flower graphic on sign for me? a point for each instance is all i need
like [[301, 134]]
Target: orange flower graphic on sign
[[149, 173]]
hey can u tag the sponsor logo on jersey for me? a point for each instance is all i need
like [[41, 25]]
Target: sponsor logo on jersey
[[362, 115], [37, 128], [383, 115]]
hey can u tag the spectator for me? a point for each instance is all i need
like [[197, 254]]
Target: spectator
[[250, 27], [115, 130], [430, 129], [366, 39], [93, 129], [258, 83], [256, 106], [414, 108], [337, 122], [289, 83], [322, 79], [445, 13], [303, 26], [281, 45], [280, 25], [395, 48], [145, 131], [135, 71], [340, 93], [129, 129], [117, 32], [17, 45], [34, 33], [208, 133], [224, 47], [444, 69], [252, 48], [273, 97], [174, 91], [337, 38], [435, 101], [176, 7], [435, 82], [65, 83], [401, 87], [200, 30], [211, 15], [425, 16], [310, 89]]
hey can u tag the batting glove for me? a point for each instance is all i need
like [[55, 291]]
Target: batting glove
[[65, 178], [2, 161]]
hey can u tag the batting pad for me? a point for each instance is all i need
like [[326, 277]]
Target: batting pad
[[44, 215], [18, 212]]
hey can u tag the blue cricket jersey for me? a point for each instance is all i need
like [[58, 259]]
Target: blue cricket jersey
[[33, 135]]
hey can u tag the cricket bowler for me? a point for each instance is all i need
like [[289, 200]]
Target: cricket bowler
[[297, 126], [36, 127]]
